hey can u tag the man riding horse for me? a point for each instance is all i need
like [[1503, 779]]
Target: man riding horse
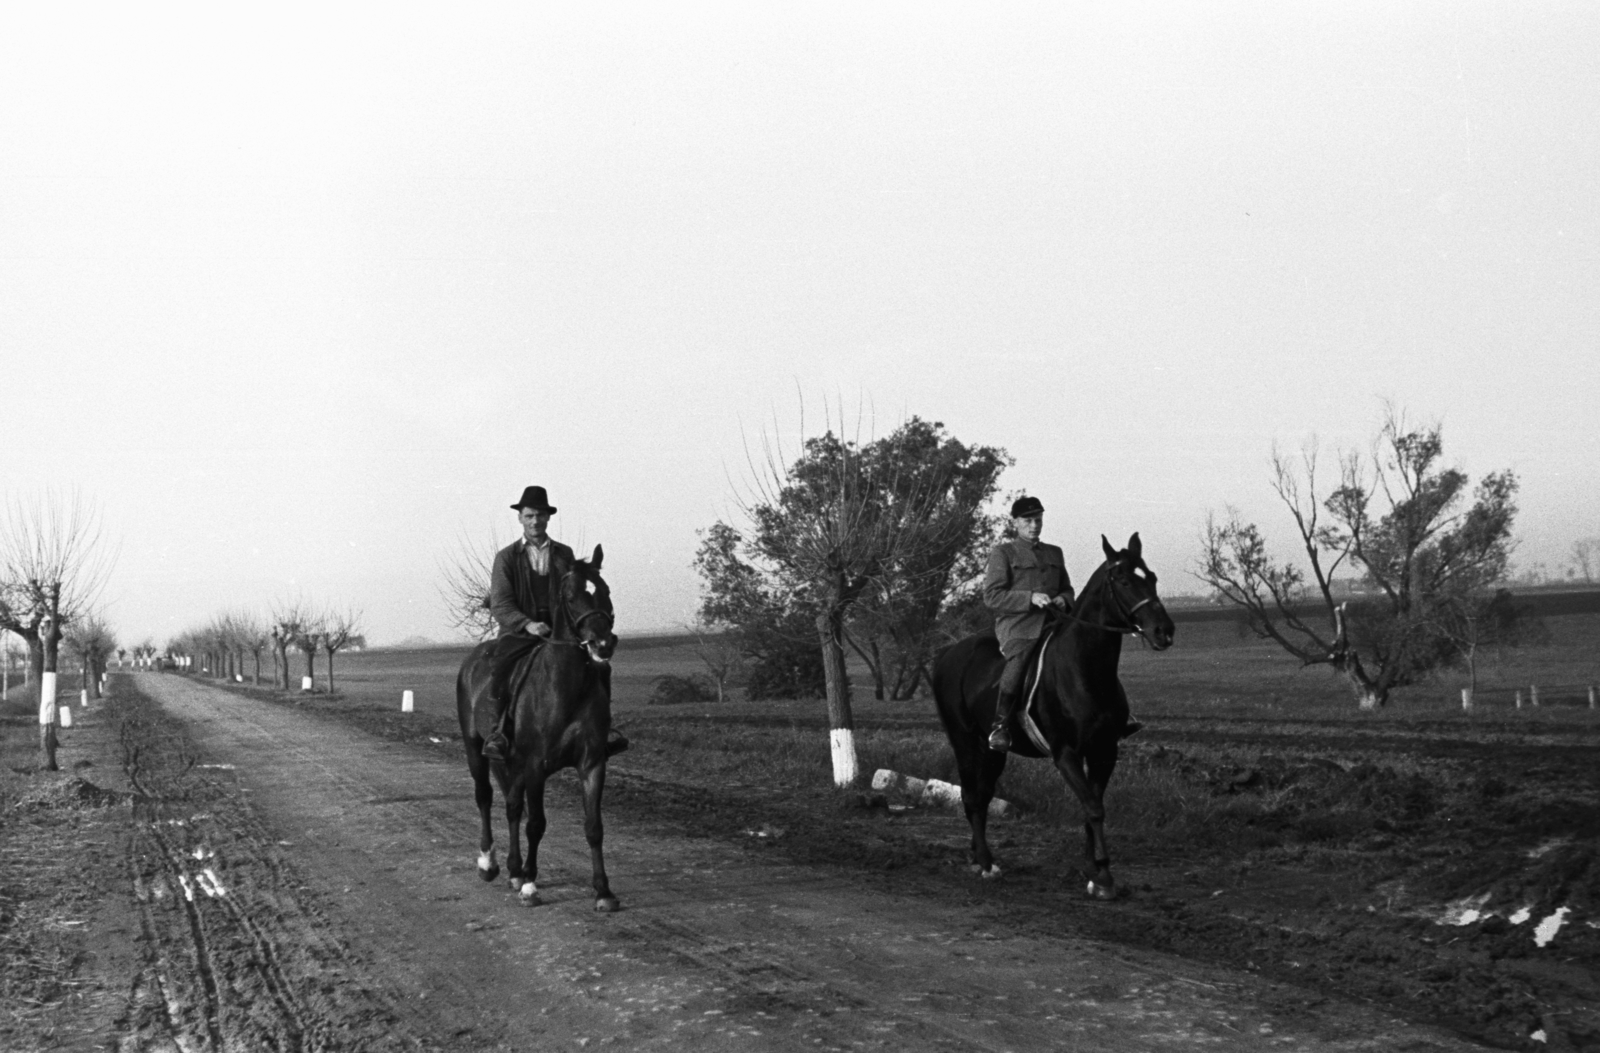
[[522, 595], [1025, 579]]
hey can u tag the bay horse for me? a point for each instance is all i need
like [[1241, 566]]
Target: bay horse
[[561, 717], [1079, 706]]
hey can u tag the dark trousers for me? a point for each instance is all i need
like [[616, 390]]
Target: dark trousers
[[1016, 668], [508, 651]]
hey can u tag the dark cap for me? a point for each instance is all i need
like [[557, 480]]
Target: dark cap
[[1026, 506], [534, 497]]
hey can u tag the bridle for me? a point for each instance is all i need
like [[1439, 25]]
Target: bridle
[[1124, 612], [577, 622]]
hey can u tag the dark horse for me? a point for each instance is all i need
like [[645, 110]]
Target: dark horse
[[1079, 706], [561, 716]]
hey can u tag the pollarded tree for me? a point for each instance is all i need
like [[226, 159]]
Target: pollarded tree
[[842, 521], [309, 640], [91, 641], [899, 621], [1398, 519], [341, 628], [287, 622], [54, 562]]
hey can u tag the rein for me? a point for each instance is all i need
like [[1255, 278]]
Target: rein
[[1130, 629]]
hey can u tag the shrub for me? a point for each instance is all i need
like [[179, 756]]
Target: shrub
[[682, 690]]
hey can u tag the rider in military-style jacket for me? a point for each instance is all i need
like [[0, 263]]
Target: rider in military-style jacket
[[1024, 577]]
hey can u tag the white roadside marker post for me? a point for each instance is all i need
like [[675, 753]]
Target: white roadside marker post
[[1466, 700], [305, 684], [1533, 691], [66, 716], [407, 702]]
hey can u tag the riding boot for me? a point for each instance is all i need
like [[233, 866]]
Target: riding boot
[[616, 742], [1000, 734], [495, 744], [1132, 726]]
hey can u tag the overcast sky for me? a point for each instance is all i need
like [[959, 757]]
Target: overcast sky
[[299, 295]]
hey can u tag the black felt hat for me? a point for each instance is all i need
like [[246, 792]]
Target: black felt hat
[[534, 497], [1026, 506]]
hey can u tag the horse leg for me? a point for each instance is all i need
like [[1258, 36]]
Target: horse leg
[[594, 784], [512, 788], [1099, 768], [1090, 795], [980, 770], [483, 791], [528, 892]]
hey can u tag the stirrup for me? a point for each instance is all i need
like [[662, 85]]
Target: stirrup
[[1000, 737], [495, 747], [1131, 727], [616, 743]]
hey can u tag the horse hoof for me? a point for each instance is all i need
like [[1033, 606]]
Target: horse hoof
[[990, 874], [1101, 891], [528, 894], [607, 905], [490, 873], [488, 866]]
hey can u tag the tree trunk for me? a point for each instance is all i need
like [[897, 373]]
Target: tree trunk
[[311, 666], [257, 678], [50, 645], [841, 723], [330, 672]]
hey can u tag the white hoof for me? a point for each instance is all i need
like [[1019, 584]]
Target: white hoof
[[486, 861], [990, 874], [529, 894]]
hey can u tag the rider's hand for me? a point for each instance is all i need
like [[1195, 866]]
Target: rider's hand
[[537, 628], [1060, 602], [1039, 599]]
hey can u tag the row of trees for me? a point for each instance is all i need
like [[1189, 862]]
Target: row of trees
[[1400, 524], [220, 646]]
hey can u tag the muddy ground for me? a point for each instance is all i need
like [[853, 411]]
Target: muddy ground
[[233, 872]]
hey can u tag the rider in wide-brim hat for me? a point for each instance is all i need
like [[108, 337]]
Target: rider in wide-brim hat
[[522, 596]]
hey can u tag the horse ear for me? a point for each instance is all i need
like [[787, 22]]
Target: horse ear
[[1105, 545], [599, 555], [1134, 545]]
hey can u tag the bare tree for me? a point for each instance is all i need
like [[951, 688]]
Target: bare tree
[[288, 621], [341, 628], [91, 642], [1586, 555], [720, 651], [1420, 553], [252, 635], [54, 562], [309, 640], [464, 586]]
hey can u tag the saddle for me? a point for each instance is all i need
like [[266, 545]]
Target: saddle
[[1023, 717]]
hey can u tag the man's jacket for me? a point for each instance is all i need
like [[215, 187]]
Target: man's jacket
[[513, 599], [1016, 571]]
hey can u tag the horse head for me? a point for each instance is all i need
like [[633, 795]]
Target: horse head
[[587, 598], [1132, 588]]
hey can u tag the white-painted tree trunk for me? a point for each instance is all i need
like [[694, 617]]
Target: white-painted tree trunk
[[843, 741], [47, 699]]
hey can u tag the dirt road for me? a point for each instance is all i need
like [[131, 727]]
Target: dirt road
[[302, 885]]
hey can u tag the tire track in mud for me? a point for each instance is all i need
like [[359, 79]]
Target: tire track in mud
[[226, 944]]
